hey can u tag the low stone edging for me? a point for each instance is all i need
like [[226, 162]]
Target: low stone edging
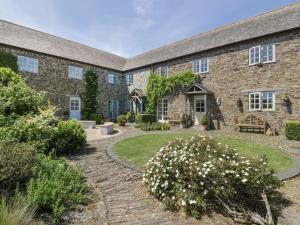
[[284, 175]]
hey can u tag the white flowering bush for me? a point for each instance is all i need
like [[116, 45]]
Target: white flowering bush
[[199, 175]]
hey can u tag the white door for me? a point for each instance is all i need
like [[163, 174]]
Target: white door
[[199, 108], [75, 108], [162, 110]]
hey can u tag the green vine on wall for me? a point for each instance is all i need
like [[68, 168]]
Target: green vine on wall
[[159, 86], [89, 97], [9, 60]]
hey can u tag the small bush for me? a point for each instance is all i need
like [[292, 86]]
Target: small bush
[[121, 119], [69, 136], [194, 174], [292, 130], [56, 187], [99, 118], [16, 160], [38, 128], [129, 117], [145, 118], [15, 210], [204, 120], [152, 126]]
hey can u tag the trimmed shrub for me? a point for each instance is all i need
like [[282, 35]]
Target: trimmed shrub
[[121, 119], [69, 136], [8, 76], [195, 174], [56, 187], [9, 60], [144, 118], [152, 126], [129, 117], [16, 211], [16, 160], [292, 130], [99, 118]]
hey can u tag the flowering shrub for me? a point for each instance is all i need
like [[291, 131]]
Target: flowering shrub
[[198, 175]]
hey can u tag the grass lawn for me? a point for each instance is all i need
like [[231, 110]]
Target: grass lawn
[[138, 150]]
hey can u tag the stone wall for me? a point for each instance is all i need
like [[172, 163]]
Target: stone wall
[[230, 77], [52, 77]]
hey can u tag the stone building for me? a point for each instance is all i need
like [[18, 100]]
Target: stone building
[[251, 66]]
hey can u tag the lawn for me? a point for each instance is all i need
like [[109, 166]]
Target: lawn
[[138, 150]]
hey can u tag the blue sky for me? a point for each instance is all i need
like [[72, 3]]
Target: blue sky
[[130, 27]]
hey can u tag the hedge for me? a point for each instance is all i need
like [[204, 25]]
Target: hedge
[[144, 118], [292, 130]]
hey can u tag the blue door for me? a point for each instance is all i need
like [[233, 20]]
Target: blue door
[[75, 108], [113, 109]]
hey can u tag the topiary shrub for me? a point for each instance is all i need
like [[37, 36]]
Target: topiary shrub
[[199, 175], [129, 117], [16, 160], [69, 137], [152, 126], [9, 60], [99, 118], [55, 187], [144, 118], [292, 130], [121, 119]]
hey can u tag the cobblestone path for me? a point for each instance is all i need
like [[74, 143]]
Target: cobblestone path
[[120, 196]]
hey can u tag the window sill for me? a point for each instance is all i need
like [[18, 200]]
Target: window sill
[[261, 63]]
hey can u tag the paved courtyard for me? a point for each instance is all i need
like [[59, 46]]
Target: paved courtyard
[[119, 196]]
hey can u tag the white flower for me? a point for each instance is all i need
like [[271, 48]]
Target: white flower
[[183, 202], [244, 180], [192, 202]]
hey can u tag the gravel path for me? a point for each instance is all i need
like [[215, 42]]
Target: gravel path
[[120, 197]]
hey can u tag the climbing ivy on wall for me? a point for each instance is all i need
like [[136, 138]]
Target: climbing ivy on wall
[[89, 97], [159, 86], [9, 60]]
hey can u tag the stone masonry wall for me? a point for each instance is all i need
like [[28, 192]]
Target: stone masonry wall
[[230, 77], [52, 77]]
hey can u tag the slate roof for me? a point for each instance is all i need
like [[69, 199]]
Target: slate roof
[[282, 19], [26, 38], [271, 22]]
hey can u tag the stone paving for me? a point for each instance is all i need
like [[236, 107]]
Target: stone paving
[[119, 196]]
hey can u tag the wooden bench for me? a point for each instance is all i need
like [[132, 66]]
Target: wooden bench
[[251, 122], [174, 120]]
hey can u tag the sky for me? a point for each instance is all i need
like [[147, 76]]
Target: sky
[[130, 27]]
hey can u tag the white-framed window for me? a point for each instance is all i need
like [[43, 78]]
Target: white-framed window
[[264, 101], [268, 53], [262, 54], [162, 109], [75, 72], [112, 78], [129, 79], [201, 65], [28, 64], [164, 71]]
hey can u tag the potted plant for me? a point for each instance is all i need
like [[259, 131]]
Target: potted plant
[[182, 121], [204, 122], [121, 119]]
